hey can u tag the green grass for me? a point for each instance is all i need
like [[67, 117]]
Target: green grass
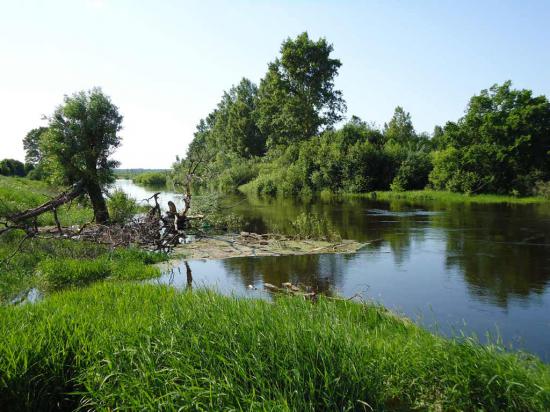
[[53, 265], [450, 197], [17, 194], [145, 347], [54, 274]]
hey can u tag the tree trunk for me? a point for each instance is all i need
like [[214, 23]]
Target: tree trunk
[[101, 213]]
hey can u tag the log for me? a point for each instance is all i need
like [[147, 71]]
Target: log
[[51, 205]]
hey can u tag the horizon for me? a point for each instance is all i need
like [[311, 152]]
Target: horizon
[[166, 66]]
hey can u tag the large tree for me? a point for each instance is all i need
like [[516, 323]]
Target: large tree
[[400, 128], [82, 135], [297, 97], [501, 145], [31, 144], [234, 125]]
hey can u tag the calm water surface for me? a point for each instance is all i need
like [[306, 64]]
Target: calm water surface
[[481, 269]]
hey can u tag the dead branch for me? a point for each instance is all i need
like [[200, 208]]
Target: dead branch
[[51, 205]]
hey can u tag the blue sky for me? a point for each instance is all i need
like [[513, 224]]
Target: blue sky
[[166, 63]]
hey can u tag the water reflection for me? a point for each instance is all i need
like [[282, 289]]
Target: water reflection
[[485, 265]]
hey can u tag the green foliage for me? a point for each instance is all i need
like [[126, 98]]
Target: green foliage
[[157, 179], [31, 144], [237, 175], [542, 189], [413, 172], [312, 226], [122, 207], [501, 145], [235, 127], [400, 128], [145, 347], [12, 167], [82, 134], [297, 97], [57, 274]]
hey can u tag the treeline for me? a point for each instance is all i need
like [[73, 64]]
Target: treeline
[[12, 167], [280, 138]]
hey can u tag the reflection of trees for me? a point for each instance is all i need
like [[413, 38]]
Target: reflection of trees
[[352, 217], [502, 251], [318, 271]]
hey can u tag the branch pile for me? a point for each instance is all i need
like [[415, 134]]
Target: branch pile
[[152, 230]]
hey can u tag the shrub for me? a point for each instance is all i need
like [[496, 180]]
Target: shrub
[[312, 226], [413, 173], [151, 179], [237, 175], [121, 207], [542, 189]]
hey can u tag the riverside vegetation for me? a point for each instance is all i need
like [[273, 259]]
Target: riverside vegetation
[[126, 345], [145, 347], [98, 341], [283, 138]]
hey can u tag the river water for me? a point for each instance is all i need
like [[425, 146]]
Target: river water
[[477, 269]]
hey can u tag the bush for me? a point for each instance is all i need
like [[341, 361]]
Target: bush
[[312, 226], [237, 175], [413, 173], [122, 208], [151, 179], [542, 189]]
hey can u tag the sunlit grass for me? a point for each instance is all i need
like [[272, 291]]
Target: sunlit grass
[[17, 194], [146, 347], [434, 195]]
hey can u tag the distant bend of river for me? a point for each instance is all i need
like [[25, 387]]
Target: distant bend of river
[[478, 268]]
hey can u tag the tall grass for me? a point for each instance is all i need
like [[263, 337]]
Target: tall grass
[[450, 197], [17, 194], [61, 263], [311, 226], [145, 347]]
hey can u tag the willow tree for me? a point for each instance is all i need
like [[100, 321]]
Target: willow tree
[[81, 137]]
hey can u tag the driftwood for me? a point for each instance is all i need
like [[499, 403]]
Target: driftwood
[[152, 230], [50, 206]]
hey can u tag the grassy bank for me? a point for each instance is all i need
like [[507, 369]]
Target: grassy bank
[[426, 195], [56, 264], [18, 193], [145, 347], [451, 197]]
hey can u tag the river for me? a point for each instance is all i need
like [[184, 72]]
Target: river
[[476, 269]]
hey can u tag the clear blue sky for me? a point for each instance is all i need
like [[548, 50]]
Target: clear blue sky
[[166, 63]]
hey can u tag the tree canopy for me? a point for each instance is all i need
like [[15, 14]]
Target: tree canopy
[[297, 97], [501, 145], [12, 167], [79, 142]]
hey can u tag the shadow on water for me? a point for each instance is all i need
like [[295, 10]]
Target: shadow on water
[[478, 267]]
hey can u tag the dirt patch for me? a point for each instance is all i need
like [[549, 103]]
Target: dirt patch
[[252, 244]]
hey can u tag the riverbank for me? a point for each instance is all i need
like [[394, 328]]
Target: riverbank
[[449, 197], [149, 347]]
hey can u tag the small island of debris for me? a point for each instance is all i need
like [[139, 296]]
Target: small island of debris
[[253, 244]]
